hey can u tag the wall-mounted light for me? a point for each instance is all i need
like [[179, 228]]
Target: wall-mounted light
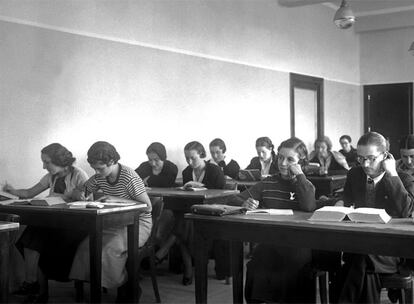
[[344, 17], [411, 49]]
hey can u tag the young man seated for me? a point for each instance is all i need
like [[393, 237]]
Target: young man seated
[[375, 183]]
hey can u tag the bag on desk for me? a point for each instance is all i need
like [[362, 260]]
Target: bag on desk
[[216, 209]]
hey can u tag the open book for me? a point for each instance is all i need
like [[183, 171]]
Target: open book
[[362, 215], [87, 204], [250, 174], [192, 188], [4, 196], [271, 211], [47, 201]]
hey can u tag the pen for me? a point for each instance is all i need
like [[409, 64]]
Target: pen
[[251, 196]]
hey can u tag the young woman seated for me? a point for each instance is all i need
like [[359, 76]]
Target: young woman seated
[[278, 274], [229, 166], [198, 173], [331, 162], [157, 171], [48, 253], [160, 172], [348, 151], [112, 181], [406, 163], [265, 161]]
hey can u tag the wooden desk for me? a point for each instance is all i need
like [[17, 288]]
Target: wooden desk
[[185, 199], [326, 185], [5, 228], [394, 239], [93, 221]]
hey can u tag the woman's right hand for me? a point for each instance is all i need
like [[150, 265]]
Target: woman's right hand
[[250, 204]]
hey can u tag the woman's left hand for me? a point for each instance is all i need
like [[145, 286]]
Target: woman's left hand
[[193, 185], [108, 198]]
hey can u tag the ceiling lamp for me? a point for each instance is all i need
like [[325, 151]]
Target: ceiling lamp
[[344, 17], [411, 49]]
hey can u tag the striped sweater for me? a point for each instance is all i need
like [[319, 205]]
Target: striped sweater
[[275, 192], [127, 185]]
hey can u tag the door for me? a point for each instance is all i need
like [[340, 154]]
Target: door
[[306, 108], [388, 110]]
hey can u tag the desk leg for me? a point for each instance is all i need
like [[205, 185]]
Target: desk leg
[[132, 265], [237, 263], [4, 266], [201, 260], [95, 260]]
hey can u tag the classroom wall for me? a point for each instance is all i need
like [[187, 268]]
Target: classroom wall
[[133, 72], [385, 57]]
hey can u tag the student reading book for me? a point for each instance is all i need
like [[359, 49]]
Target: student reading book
[[49, 249], [374, 184], [276, 272], [339, 213]]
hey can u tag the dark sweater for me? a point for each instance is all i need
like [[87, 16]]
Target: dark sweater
[[255, 164], [395, 194], [231, 168], [213, 178], [351, 156], [166, 178]]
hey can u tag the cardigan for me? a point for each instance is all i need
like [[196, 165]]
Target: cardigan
[[255, 164], [213, 178], [230, 168], [166, 178], [351, 156]]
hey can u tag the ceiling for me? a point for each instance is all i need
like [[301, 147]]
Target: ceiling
[[359, 7]]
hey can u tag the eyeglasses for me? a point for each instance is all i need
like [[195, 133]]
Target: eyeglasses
[[370, 159]]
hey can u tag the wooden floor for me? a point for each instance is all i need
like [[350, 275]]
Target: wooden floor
[[171, 290]]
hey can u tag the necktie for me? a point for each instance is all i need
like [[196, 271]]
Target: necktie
[[370, 193]]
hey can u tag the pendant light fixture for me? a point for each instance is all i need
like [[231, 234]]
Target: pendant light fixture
[[344, 17]]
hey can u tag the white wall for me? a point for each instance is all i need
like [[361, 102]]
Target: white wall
[[385, 57], [133, 72]]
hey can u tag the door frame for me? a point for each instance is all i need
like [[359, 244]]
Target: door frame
[[310, 83], [410, 105]]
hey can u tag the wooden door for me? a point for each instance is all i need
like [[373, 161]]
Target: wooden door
[[388, 110]]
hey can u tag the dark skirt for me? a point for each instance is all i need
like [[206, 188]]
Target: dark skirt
[[280, 274], [56, 247]]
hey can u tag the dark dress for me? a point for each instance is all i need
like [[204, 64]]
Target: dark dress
[[277, 273], [166, 178], [395, 194], [57, 247], [351, 156], [230, 169], [256, 164]]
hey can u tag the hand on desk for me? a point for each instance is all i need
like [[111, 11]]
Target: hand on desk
[[250, 204], [193, 184]]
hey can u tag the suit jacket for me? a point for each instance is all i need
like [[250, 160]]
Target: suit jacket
[[395, 194]]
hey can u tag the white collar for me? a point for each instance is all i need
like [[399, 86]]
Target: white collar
[[377, 179]]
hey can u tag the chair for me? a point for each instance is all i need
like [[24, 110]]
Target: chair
[[148, 250], [402, 282]]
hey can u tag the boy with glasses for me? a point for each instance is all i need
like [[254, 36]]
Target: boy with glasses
[[376, 184]]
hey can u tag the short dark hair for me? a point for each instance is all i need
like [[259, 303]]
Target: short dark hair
[[59, 155], [407, 142], [102, 151], [195, 145], [297, 145], [159, 149], [218, 142], [323, 139], [347, 137], [264, 142], [374, 139]]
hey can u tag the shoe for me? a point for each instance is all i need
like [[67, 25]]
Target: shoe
[[187, 280], [27, 289]]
